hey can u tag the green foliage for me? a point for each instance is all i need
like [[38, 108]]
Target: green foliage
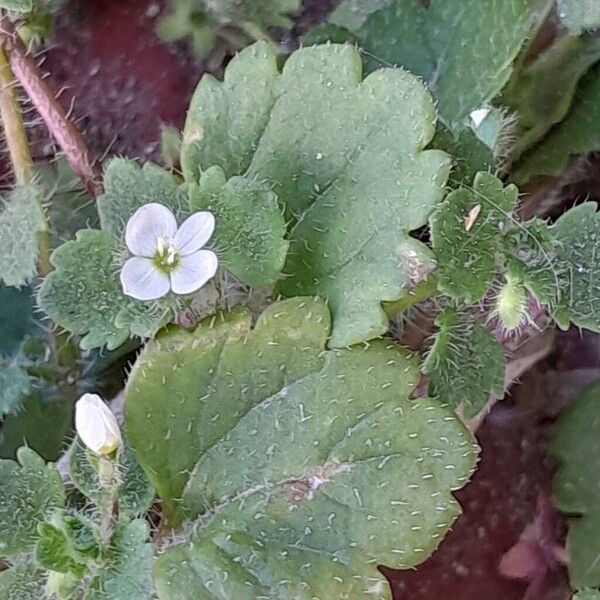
[[15, 384], [466, 250], [464, 49], [576, 236], [320, 431], [41, 424], [127, 186], [578, 15], [250, 228], [587, 594], [465, 364], [29, 491], [21, 221], [17, 5], [83, 294], [22, 582], [542, 92], [576, 491], [126, 571], [346, 160], [16, 318], [135, 494], [54, 550], [578, 133]]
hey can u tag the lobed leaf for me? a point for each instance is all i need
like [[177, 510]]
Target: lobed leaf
[[346, 160], [21, 221], [29, 491], [15, 384], [465, 364], [466, 232], [576, 490], [22, 582]]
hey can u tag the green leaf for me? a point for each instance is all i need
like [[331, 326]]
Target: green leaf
[[587, 595], [250, 228], [576, 491], [346, 160], [576, 235], [542, 92], [466, 252], [17, 5], [127, 186], [21, 220], [465, 364], [322, 433], [15, 384], [83, 294], [22, 582], [135, 494], [352, 14], [464, 49], [265, 13], [54, 550], [127, 568], [42, 425], [579, 14], [578, 133], [16, 318], [29, 491]]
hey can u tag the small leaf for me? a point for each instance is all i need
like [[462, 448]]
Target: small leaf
[[576, 491], [578, 133], [467, 255], [465, 364], [29, 491], [22, 582], [578, 15], [21, 220], [135, 494], [286, 450], [127, 186], [126, 572], [250, 229], [576, 235], [15, 384], [432, 42], [54, 550]]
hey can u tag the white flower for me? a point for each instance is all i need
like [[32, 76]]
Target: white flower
[[96, 425], [165, 257]]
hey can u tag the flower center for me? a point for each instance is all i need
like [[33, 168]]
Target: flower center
[[167, 256]]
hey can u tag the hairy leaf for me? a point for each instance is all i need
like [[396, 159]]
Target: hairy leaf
[[576, 491], [250, 228], [29, 491], [135, 494], [54, 550], [15, 384], [578, 15], [346, 160], [16, 318], [127, 186], [577, 235], [22, 582], [465, 364], [261, 422], [17, 5], [578, 133], [542, 92], [127, 568], [466, 232], [21, 221], [464, 49]]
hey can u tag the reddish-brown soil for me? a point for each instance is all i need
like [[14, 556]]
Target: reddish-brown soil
[[122, 82]]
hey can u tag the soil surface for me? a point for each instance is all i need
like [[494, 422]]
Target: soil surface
[[122, 83]]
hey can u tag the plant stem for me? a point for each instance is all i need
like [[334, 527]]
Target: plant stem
[[12, 121], [55, 117]]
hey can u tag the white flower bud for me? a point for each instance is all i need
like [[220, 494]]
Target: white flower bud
[[96, 425]]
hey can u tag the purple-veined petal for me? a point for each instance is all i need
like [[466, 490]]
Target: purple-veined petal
[[142, 280], [194, 271], [146, 225], [194, 232]]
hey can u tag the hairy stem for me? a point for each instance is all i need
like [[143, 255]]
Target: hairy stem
[[67, 136]]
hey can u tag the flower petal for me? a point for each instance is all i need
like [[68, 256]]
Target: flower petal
[[146, 225], [194, 271], [142, 280], [96, 425], [194, 232]]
